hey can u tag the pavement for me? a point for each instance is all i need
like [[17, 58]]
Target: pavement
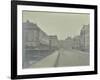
[[63, 58], [49, 61]]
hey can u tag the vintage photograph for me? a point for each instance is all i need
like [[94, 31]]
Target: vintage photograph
[[55, 39]]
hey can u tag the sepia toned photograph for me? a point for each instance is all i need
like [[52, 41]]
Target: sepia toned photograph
[[55, 39]]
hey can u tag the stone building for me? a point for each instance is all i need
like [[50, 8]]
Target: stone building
[[76, 42], [68, 43], [53, 42], [61, 44], [33, 36], [30, 35], [33, 39], [85, 38]]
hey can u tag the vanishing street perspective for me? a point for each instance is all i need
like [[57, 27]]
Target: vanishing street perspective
[[52, 39]]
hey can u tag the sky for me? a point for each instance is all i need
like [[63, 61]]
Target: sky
[[61, 24]]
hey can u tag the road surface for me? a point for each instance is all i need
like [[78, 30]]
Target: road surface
[[62, 58], [72, 58]]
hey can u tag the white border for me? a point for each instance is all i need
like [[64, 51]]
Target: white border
[[21, 71]]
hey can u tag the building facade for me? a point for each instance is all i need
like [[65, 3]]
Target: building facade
[[85, 38], [53, 42], [76, 43], [68, 43], [33, 36], [33, 40]]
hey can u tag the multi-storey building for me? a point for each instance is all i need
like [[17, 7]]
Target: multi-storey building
[[33, 40], [33, 36], [68, 43], [53, 42], [85, 38], [76, 42]]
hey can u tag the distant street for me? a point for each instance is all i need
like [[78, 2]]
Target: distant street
[[62, 57]]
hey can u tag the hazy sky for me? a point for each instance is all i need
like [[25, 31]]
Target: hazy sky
[[60, 24]]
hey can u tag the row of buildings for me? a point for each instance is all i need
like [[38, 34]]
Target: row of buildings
[[80, 42], [36, 42], [35, 38]]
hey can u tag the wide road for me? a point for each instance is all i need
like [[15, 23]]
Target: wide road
[[72, 58], [62, 58]]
